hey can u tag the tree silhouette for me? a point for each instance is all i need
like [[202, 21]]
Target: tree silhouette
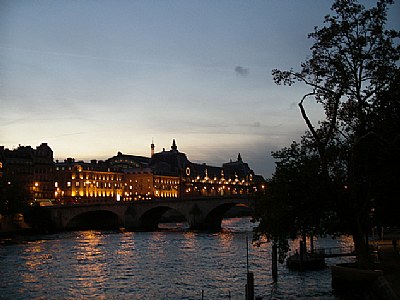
[[353, 74]]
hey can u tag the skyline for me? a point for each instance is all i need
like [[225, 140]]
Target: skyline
[[92, 78]]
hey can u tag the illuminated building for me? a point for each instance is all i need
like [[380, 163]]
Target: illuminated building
[[166, 186], [233, 178], [166, 174], [138, 185], [87, 182], [143, 184]]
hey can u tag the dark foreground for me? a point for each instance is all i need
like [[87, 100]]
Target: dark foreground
[[389, 260]]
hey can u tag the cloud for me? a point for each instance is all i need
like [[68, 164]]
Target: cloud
[[241, 71]]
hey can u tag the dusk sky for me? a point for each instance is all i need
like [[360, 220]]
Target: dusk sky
[[92, 78]]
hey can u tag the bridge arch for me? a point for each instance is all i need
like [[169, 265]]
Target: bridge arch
[[213, 219], [200, 213], [96, 219], [151, 218]]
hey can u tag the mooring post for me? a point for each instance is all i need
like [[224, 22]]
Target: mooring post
[[301, 253], [250, 275], [274, 262], [250, 286]]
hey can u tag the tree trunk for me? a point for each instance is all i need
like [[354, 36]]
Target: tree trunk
[[312, 243], [362, 253]]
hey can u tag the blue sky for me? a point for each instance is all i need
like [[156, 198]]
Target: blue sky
[[92, 78]]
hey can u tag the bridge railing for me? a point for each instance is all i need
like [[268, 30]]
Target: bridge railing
[[98, 201]]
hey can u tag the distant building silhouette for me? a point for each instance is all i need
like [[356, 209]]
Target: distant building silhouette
[[29, 169], [122, 177]]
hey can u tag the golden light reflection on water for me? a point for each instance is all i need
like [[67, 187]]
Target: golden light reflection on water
[[110, 265], [90, 272], [225, 239], [157, 244], [35, 254], [35, 262], [88, 245], [189, 240], [126, 245]]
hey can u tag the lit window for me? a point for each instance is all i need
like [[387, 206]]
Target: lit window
[[68, 183]]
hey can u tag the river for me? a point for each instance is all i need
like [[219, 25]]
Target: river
[[166, 264]]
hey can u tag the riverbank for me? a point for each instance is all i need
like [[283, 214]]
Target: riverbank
[[389, 263], [12, 224], [380, 283]]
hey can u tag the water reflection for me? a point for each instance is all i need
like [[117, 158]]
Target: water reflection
[[88, 245], [168, 264], [189, 242], [126, 245], [90, 272]]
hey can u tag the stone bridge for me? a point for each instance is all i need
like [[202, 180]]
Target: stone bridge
[[201, 213]]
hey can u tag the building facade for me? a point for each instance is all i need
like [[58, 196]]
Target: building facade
[[166, 174], [80, 182], [29, 170], [233, 178]]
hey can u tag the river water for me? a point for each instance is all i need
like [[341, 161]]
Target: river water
[[167, 264]]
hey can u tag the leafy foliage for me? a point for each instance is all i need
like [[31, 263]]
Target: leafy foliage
[[13, 196], [292, 206], [353, 72]]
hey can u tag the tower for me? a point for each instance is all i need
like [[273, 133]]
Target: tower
[[174, 147], [239, 157], [152, 148]]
